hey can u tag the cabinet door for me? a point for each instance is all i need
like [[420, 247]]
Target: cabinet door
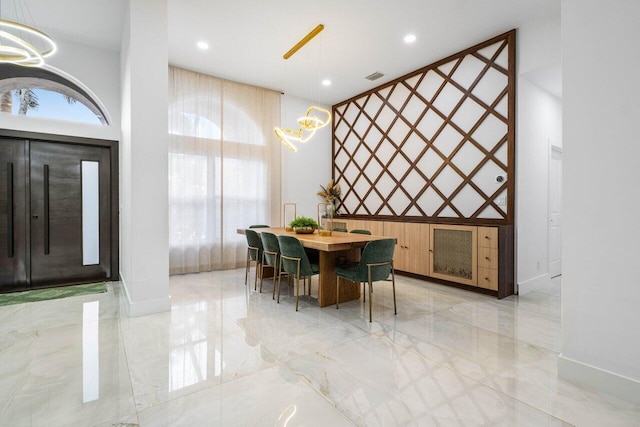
[[453, 253], [396, 230], [416, 240]]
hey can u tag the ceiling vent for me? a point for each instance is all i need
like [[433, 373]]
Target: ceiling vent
[[374, 76]]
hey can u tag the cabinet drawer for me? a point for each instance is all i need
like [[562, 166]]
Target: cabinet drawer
[[488, 237], [488, 257], [488, 278]]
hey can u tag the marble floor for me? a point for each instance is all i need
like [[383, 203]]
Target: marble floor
[[227, 356]]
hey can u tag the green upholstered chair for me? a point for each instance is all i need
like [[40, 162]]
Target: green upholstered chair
[[367, 232], [358, 231], [271, 256], [259, 226], [343, 230], [375, 264], [254, 253], [294, 261]]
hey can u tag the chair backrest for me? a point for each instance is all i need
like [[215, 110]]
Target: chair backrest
[[376, 251], [291, 247], [344, 230], [271, 247], [357, 231], [259, 226], [254, 241]]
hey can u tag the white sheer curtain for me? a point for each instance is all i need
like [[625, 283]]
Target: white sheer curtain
[[224, 168]]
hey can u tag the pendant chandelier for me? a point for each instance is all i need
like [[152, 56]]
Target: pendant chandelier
[[315, 117], [22, 44]]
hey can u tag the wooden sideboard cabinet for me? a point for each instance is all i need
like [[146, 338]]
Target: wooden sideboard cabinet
[[480, 257]]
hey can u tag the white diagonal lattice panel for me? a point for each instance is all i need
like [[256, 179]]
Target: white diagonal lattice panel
[[447, 181], [430, 124], [467, 158], [447, 99], [430, 85], [490, 132], [467, 201], [433, 143], [414, 108], [362, 124], [399, 96], [492, 84], [430, 201], [468, 114], [429, 163], [447, 140], [468, 71]]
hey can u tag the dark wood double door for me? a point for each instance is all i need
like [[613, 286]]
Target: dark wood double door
[[46, 232]]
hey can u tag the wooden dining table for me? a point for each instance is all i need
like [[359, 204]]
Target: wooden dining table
[[334, 249]]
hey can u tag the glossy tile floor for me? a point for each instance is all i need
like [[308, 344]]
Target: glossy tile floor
[[226, 356]]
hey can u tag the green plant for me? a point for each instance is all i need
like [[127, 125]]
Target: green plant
[[303, 221]]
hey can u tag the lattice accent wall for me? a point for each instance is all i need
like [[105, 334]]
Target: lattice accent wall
[[437, 143]]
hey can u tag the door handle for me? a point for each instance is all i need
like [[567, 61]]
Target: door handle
[[46, 209], [34, 217], [10, 235]]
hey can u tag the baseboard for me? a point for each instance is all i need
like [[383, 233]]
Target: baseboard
[[533, 284], [599, 380], [143, 308]]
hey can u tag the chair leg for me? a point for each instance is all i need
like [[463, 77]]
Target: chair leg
[[273, 295], [393, 283], [279, 279], [337, 293], [262, 272], [309, 291], [246, 270], [364, 292], [297, 285], [255, 280], [370, 299]]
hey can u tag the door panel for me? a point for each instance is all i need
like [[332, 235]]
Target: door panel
[[416, 237], [56, 213], [555, 213], [13, 214]]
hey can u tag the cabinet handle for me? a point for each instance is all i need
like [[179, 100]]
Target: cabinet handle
[[486, 278], [487, 258], [46, 210], [10, 235], [486, 237]]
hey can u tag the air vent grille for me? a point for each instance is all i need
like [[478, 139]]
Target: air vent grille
[[374, 76]]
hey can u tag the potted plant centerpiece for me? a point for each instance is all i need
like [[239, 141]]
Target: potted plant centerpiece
[[304, 225]]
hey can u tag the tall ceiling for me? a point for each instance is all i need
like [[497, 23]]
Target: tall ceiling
[[247, 38]]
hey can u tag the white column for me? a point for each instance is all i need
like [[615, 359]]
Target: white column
[[601, 279], [143, 155]]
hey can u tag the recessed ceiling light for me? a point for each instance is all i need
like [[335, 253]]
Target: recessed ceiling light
[[326, 82], [203, 45], [409, 38]]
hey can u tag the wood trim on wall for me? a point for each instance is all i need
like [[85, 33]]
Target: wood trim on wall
[[415, 211]]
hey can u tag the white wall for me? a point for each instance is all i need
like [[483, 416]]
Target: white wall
[[601, 285], [538, 120], [144, 228], [305, 170], [99, 70]]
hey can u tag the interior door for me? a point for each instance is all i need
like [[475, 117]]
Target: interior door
[[70, 211], [555, 217], [13, 215]]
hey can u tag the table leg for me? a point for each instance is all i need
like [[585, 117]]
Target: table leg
[[327, 280]]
